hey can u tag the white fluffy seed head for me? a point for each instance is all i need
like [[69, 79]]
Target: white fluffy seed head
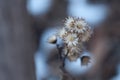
[[74, 33], [69, 22], [71, 40], [74, 53]]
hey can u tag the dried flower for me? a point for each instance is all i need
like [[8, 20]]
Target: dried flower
[[86, 36], [74, 53], [71, 39], [69, 23], [73, 34], [80, 26]]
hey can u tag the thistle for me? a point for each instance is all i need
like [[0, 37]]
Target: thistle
[[75, 32]]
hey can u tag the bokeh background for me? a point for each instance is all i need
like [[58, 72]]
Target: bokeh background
[[26, 25]]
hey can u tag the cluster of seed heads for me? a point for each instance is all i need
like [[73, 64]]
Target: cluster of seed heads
[[75, 32]]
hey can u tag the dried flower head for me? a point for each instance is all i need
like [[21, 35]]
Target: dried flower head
[[80, 26], [74, 53], [69, 22], [71, 39], [75, 32]]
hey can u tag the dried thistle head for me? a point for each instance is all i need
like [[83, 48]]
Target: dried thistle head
[[74, 33]]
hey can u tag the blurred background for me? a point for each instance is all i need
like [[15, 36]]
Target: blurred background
[[26, 25]]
